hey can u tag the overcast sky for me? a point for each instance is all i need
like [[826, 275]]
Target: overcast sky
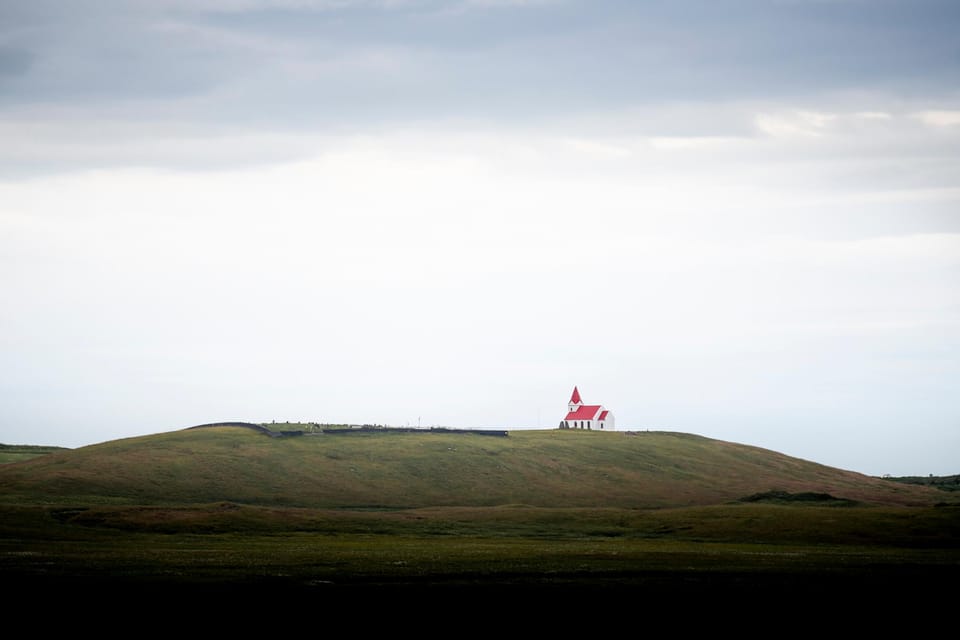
[[735, 218]]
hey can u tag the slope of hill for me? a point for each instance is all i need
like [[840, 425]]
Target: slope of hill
[[398, 470]]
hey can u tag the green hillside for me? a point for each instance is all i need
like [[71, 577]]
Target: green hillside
[[386, 470], [419, 516]]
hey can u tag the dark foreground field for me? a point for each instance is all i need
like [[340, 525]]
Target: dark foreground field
[[745, 555]]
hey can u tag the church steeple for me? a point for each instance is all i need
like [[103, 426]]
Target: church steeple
[[575, 400]]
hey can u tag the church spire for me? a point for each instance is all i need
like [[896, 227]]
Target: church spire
[[575, 398]]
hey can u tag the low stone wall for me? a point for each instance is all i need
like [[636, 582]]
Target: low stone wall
[[250, 425], [479, 432], [349, 430]]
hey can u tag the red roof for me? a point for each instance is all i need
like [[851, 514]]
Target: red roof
[[575, 398], [603, 416], [584, 412]]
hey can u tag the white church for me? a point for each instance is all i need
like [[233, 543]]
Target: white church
[[586, 416]]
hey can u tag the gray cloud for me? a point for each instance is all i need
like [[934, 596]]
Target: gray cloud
[[14, 62], [132, 72], [390, 60]]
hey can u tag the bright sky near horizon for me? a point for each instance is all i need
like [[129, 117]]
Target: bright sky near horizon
[[733, 218]]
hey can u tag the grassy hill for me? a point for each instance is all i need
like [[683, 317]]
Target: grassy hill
[[465, 518], [382, 469]]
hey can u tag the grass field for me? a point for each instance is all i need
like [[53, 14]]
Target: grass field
[[765, 555], [654, 517]]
